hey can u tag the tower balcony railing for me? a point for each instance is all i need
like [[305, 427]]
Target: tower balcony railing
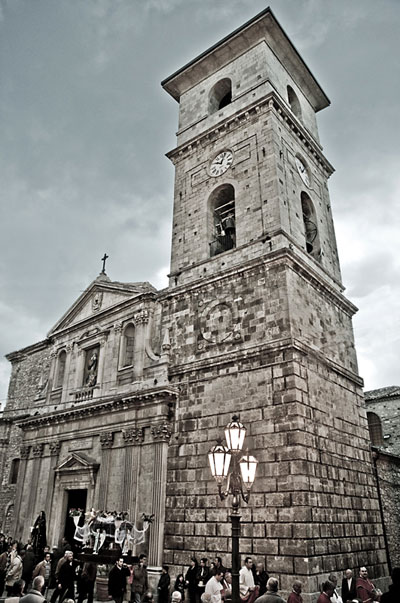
[[220, 244]]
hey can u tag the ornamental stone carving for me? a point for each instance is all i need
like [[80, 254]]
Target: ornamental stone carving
[[54, 448], [106, 439], [161, 432], [118, 326], [133, 436], [97, 301], [141, 317], [37, 450], [24, 452]]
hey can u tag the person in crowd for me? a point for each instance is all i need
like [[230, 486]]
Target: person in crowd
[[366, 591], [218, 565], [248, 589], [117, 580], [261, 579], [140, 583], [16, 592], [295, 595], [28, 564], [14, 572], [271, 595], [327, 592], [43, 569], [335, 598], [163, 585], [87, 581], [393, 594], [180, 585], [214, 587], [66, 578], [191, 579], [35, 595], [349, 591], [176, 597], [65, 546], [3, 570], [67, 555], [148, 597], [203, 575], [226, 582]]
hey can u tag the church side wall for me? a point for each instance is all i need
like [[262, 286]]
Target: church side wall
[[389, 482]]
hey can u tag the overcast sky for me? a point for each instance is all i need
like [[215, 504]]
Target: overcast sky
[[85, 125]]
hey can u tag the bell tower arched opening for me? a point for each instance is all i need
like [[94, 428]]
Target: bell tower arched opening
[[310, 226], [222, 219], [220, 95]]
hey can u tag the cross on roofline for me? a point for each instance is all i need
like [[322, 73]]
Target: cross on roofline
[[103, 259]]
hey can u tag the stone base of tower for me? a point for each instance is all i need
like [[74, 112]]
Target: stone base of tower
[[314, 507]]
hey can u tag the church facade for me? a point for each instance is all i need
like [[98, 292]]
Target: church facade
[[119, 405]]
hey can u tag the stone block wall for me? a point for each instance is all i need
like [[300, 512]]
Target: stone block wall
[[314, 506]]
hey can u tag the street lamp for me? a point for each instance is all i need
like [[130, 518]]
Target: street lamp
[[239, 481]]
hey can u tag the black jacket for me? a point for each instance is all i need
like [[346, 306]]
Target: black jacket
[[117, 580]]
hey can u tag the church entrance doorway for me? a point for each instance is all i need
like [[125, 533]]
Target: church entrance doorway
[[76, 502]]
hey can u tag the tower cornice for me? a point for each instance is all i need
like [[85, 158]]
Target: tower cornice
[[271, 103]]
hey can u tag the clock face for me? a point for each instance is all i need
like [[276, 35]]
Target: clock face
[[221, 163], [303, 171]]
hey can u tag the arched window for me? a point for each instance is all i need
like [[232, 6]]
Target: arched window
[[14, 469], [222, 219], [128, 345], [375, 429], [310, 226], [220, 95], [294, 102], [61, 361]]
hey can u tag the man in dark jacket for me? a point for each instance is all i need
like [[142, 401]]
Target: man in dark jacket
[[66, 578], [271, 596], [140, 582], [117, 580], [35, 594], [349, 591]]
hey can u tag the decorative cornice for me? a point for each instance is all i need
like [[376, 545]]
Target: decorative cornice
[[54, 448], [37, 450], [24, 452], [110, 405], [118, 326], [270, 102], [141, 317], [133, 435], [161, 432], [106, 439]]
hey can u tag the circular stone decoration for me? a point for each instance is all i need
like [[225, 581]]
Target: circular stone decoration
[[217, 323]]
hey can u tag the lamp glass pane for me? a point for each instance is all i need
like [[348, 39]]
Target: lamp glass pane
[[235, 433], [248, 466], [219, 459]]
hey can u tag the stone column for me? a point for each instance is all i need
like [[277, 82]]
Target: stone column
[[24, 456], [132, 437], [161, 435], [54, 452], [106, 441], [65, 385], [37, 452], [141, 320]]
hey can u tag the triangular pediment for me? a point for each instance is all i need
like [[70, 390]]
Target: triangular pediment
[[77, 462], [101, 295]]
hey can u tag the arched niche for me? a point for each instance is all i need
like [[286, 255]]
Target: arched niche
[[311, 234], [294, 102], [222, 219], [220, 95], [375, 429]]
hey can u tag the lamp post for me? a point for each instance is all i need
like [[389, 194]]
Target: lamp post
[[239, 481]]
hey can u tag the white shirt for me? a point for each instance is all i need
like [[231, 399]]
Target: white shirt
[[213, 588], [246, 580], [336, 598]]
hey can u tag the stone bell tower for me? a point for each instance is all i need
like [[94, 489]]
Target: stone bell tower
[[260, 323]]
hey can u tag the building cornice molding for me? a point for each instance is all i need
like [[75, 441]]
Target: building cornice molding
[[270, 103], [109, 405]]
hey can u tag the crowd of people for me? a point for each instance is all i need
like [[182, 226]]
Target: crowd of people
[[58, 578]]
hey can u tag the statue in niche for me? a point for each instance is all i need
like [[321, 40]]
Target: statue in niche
[[91, 368]]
